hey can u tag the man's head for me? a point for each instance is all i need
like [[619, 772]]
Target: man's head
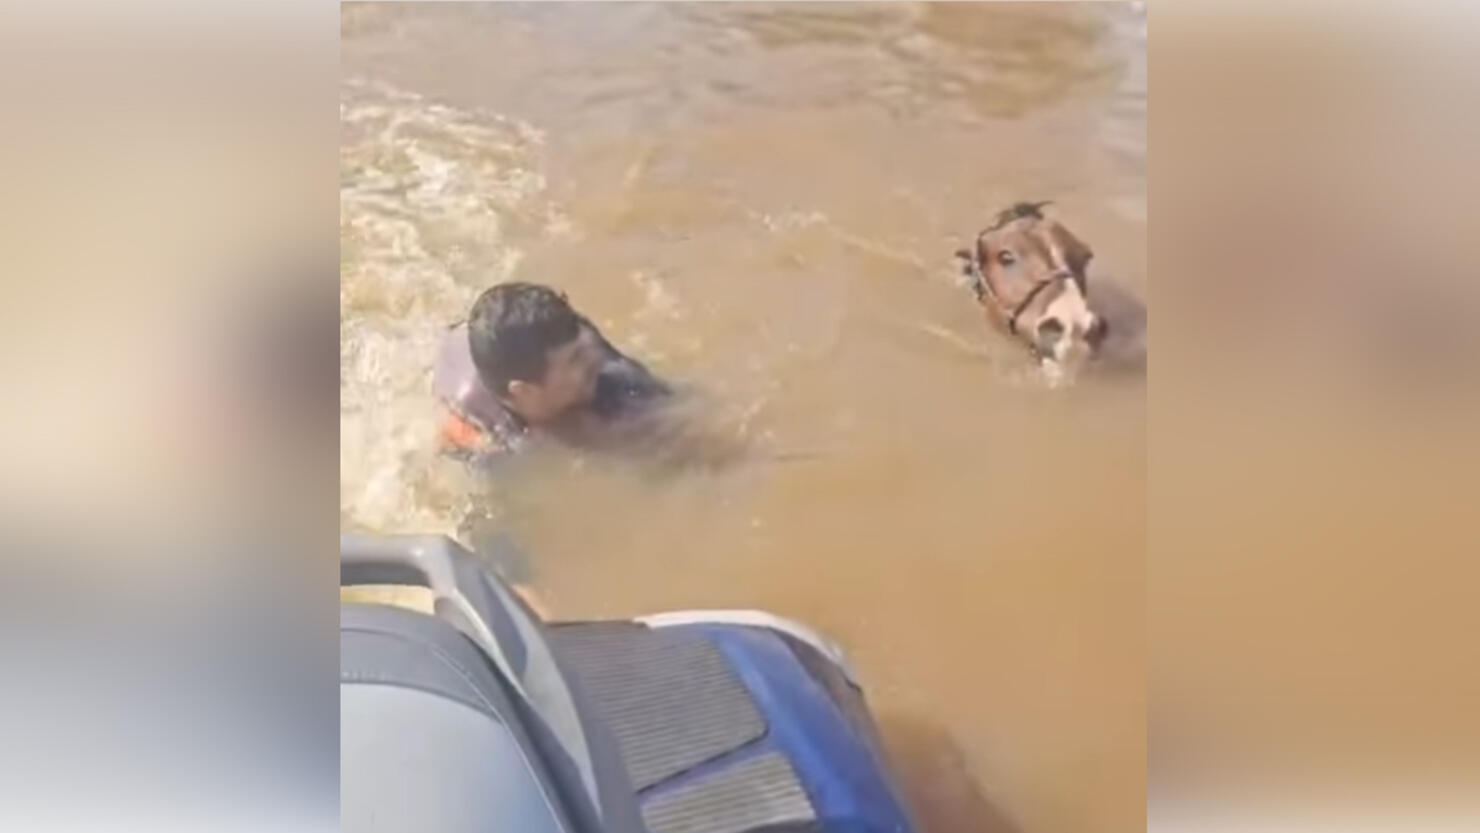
[[533, 351], [1030, 275]]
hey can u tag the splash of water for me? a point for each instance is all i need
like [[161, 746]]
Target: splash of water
[[434, 202]]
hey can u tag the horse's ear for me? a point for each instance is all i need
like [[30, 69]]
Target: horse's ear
[[971, 268]]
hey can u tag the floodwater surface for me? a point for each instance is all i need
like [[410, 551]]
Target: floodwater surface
[[762, 201]]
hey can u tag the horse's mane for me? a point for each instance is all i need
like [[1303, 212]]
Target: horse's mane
[[1017, 212]]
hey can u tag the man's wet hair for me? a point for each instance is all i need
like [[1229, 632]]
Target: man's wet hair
[[513, 327]]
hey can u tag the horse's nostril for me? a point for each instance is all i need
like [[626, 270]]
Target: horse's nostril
[[1049, 331], [1097, 332]]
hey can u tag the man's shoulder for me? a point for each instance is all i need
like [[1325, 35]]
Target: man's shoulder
[[624, 384]]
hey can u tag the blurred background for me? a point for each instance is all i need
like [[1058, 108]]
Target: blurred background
[[1313, 459], [168, 437]]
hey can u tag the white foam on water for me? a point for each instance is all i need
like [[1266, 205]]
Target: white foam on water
[[430, 198]]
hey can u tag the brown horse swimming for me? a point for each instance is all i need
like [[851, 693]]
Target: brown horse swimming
[[1029, 273]]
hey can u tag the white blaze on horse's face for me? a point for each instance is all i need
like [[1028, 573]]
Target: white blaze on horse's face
[[1065, 332]]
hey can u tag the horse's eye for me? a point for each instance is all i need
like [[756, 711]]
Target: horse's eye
[[1006, 258]]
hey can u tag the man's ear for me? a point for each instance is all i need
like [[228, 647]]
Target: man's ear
[[518, 391]]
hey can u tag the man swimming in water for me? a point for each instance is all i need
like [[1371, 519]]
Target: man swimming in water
[[526, 364]]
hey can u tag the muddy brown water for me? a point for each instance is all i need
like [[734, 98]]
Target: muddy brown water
[[762, 200]]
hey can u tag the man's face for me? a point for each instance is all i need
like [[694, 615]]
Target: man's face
[[571, 371]]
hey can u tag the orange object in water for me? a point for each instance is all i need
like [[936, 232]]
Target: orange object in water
[[461, 433]]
